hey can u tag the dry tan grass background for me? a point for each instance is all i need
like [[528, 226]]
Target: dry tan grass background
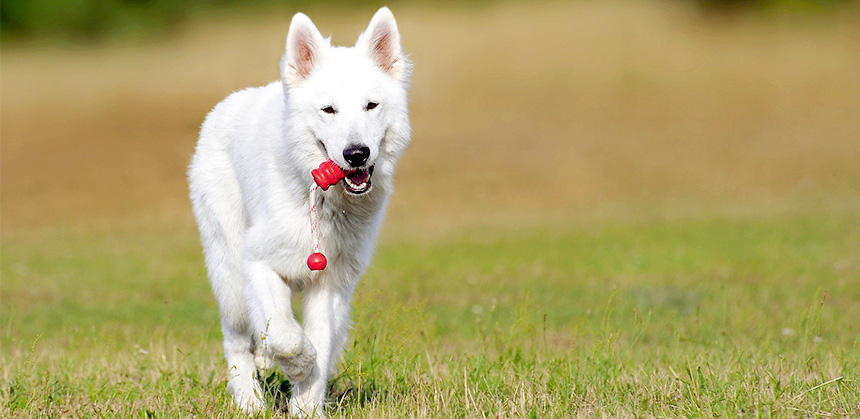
[[520, 113]]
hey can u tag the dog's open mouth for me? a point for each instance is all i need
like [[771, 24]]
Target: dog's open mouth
[[357, 181]]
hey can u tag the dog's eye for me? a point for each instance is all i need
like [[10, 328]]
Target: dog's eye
[[370, 105], [328, 109]]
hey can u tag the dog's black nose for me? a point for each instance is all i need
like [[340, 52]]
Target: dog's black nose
[[356, 155]]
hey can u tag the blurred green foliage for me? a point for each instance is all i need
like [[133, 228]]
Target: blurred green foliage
[[80, 20], [791, 6], [89, 19]]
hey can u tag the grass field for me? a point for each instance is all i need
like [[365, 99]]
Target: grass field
[[707, 317], [608, 209]]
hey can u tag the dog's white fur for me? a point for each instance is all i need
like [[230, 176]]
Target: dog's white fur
[[249, 181]]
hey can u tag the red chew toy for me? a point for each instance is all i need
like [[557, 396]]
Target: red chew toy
[[316, 261], [327, 174]]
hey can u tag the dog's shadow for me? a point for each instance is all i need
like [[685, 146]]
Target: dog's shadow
[[343, 393], [276, 389]]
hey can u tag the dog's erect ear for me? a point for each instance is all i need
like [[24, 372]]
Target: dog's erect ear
[[381, 41], [305, 47]]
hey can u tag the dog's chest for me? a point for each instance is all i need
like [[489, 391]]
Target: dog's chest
[[345, 234]]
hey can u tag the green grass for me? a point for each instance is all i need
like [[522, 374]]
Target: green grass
[[701, 317]]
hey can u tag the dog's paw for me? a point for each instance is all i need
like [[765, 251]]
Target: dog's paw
[[250, 406], [299, 362], [248, 398], [305, 409]]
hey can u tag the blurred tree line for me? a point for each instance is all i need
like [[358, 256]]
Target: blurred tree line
[[94, 19], [81, 20]]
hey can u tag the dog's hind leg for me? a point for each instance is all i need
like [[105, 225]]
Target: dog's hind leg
[[242, 384], [227, 282], [220, 217]]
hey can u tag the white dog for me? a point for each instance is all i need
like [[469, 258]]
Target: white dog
[[249, 181]]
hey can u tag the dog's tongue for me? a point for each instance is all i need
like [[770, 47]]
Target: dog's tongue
[[359, 176]]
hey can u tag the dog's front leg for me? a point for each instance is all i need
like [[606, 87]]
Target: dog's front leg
[[326, 318], [277, 331]]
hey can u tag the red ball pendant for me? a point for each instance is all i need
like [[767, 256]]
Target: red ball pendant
[[316, 261]]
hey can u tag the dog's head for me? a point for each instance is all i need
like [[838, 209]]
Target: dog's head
[[348, 104]]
